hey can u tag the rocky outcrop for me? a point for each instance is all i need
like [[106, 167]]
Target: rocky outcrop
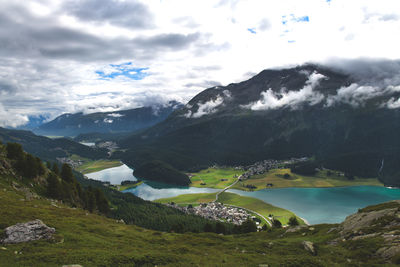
[[381, 221], [309, 246], [361, 220], [296, 229], [25, 232]]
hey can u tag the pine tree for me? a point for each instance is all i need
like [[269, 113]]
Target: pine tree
[[30, 168], [101, 201], [276, 223], [248, 226], [15, 151], [91, 202], [293, 221], [208, 228], [220, 228], [40, 167], [55, 168], [53, 186], [66, 173]]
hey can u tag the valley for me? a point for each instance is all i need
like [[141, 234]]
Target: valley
[[199, 133], [306, 198]]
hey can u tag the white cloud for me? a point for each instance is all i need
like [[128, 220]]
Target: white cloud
[[11, 119], [357, 95], [293, 99], [50, 53], [354, 95], [206, 108], [115, 115], [392, 103], [108, 120]]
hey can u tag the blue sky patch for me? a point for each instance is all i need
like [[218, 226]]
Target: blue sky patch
[[302, 19], [252, 30], [293, 18], [125, 69], [284, 20]]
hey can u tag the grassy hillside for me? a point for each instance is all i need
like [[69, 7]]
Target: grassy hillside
[[214, 177], [189, 198], [259, 206], [93, 240], [321, 179], [98, 165], [90, 239], [24, 171]]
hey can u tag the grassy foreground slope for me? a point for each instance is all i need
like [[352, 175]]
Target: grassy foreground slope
[[93, 240], [321, 179]]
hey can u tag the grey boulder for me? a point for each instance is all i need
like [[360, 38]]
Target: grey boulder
[[25, 232]]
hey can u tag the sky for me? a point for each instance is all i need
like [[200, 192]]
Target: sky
[[97, 55]]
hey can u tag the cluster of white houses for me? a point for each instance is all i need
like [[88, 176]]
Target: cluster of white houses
[[72, 163], [261, 167], [216, 211]]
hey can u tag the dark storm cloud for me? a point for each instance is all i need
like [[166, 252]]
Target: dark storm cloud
[[132, 14], [171, 41], [42, 37]]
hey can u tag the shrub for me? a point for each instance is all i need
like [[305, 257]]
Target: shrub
[[293, 221], [276, 223]]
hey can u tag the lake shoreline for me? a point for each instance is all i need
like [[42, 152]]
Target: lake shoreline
[[312, 204]]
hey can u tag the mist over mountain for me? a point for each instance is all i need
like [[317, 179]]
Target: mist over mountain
[[343, 115], [107, 122]]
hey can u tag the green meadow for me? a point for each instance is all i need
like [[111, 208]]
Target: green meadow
[[215, 177], [97, 165], [281, 178]]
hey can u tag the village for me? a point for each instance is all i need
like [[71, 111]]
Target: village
[[71, 162], [261, 167], [216, 211]]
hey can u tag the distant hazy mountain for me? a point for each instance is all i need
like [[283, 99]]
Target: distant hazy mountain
[[34, 122], [107, 122], [345, 121], [49, 149]]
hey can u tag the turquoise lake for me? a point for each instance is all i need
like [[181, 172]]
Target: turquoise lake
[[316, 205], [324, 205]]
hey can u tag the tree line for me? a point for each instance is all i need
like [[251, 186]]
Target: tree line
[[59, 184]]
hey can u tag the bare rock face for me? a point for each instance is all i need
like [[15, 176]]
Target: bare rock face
[[362, 220], [309, 246], [296, 229], [25, 232]]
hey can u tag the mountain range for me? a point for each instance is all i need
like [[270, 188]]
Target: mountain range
[[339, 119], [47, 148], [107, 122]]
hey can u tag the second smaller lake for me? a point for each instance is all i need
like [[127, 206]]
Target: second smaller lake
[[88, 143], [113, 175]]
